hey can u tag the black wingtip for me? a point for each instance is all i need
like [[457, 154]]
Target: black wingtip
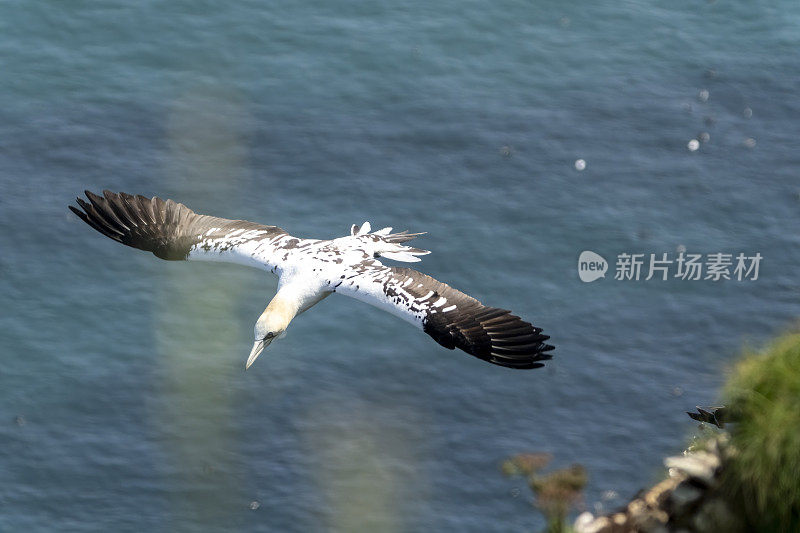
[[76, 210]]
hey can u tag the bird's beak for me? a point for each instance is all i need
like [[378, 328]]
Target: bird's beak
[[258, 347]]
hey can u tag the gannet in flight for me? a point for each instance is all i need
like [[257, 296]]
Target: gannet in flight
[[311, 269]]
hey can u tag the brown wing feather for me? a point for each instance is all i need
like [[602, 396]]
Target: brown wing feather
[[166, 228], [489, 333]]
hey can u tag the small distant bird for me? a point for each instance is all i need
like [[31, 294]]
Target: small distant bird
[[309, 270], [711, 415]]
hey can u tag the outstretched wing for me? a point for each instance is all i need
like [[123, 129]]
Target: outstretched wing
[[452, 318], [173, 231]]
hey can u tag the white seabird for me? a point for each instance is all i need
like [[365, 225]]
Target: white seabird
[[312, 269]]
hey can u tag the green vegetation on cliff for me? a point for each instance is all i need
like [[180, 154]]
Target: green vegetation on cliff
[[762, 477]]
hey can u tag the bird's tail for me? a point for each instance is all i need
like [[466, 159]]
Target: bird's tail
[[389, 244]]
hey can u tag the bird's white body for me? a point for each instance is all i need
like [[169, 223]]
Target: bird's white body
[[311, 269]]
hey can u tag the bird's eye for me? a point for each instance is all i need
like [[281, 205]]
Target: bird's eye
[[269, 335]]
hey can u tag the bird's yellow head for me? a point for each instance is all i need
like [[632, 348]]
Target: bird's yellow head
[[269, 326]]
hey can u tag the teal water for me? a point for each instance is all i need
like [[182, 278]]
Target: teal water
[[123, 401]]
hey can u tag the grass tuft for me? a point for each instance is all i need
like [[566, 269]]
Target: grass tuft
[[762, 478], [556, 492]]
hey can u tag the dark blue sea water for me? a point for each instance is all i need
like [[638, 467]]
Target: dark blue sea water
[[123, 401]]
